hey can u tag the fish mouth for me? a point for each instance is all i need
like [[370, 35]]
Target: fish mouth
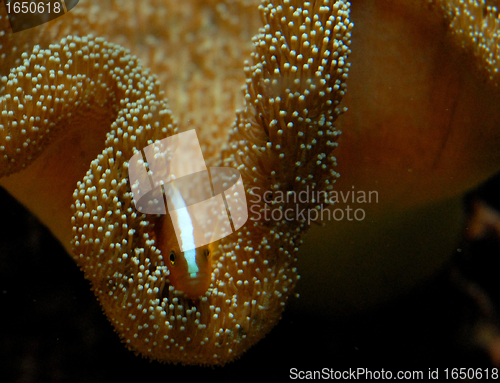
[[194, 286]]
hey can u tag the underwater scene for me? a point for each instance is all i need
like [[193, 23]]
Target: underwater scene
[[249, 189]]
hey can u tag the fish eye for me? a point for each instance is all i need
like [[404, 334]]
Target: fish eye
[[207, 253], [172, 257]]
